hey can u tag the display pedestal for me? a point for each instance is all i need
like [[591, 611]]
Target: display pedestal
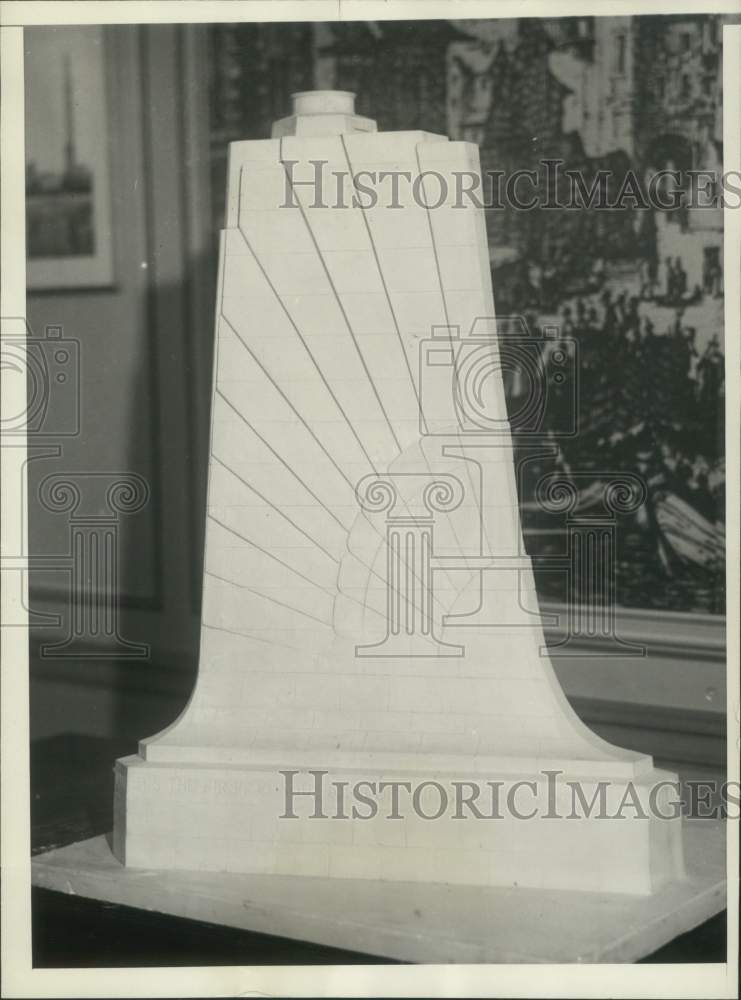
[[414, 922]]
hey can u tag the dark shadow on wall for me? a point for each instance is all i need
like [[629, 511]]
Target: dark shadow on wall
[[175, 379], [120, 695], [146, 344], [100, 708]]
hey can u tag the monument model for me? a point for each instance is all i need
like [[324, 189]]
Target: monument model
[[369, 613]]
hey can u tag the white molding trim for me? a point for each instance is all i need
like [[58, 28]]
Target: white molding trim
[[663, 633]]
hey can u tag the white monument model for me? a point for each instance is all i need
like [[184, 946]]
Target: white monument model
[[370, 625]]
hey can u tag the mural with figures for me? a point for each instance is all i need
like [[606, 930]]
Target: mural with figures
[[631, 296]]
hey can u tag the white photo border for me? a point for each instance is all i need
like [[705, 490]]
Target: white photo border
[[19, 979]]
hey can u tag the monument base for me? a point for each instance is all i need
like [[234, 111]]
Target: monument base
[[416, 922], [564, 825]]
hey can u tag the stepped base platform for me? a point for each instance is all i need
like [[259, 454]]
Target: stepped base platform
[[217, 817], [414, 922]]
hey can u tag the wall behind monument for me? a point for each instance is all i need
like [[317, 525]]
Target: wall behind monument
[[144, 346]]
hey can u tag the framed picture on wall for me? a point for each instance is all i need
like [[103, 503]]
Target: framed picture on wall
[[68, 199]]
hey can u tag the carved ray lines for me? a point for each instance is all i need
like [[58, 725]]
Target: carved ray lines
[[314, 384]]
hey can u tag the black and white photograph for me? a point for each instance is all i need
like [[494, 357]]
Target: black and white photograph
[[370, 543]]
